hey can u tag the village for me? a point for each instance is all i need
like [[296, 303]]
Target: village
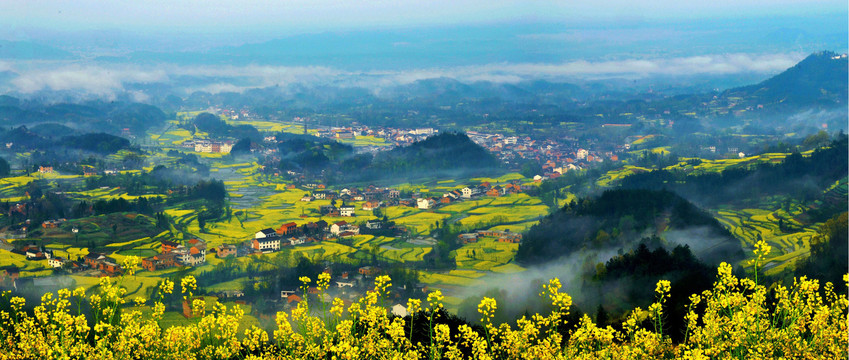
[[193, 252], [555, 156]]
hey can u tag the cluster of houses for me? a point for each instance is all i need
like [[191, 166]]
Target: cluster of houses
[[52, 224], [502, 236], [349, 286], [370, 193], [290, 234], [271, 240], [556, 157], [173, 254], [35, 252], [466, 193], [106, 264], [208, 146], [93, 261], [397, 137], [375, 197]]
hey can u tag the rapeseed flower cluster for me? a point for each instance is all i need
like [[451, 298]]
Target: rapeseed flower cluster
[[735, 319]]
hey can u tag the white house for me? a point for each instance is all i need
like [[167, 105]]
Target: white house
[[347, 210], [337, 227], [469, 192], [264, 233], [582, 154], [425, 203], [56, 262], [374, 224], [267, 245]]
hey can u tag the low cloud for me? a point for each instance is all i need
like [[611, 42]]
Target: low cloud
[[107, 80], [97, 80]]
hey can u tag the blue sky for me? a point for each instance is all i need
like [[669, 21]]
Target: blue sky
[[282, 18]]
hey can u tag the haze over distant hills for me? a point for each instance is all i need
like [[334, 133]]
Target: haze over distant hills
[[672, 56]]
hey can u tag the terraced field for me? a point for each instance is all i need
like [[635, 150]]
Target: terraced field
[[485, 254], [750, 225], [607, 179]]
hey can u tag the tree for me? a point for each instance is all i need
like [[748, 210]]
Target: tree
[[601, 317], [4, 167]]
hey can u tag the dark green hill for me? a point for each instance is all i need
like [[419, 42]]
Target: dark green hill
[[621, 218], [802, 177], [819, 79], [53, 130], [22, 137], [443, 154], [49, 137], [218, 128], [101, 143], [309, 153], [447, 154]]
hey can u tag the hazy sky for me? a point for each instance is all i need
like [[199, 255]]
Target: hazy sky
[[300, 16], [116, 42]]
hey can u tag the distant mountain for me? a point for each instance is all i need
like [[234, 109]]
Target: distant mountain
[[450, 91], [112, 117], [819, 79]]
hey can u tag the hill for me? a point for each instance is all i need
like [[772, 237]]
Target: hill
[[443, 154], [101, 143], [96, 116], [47, 137], [819, 79], [618, 219], [310, 153], [218, 128], [803, 177]]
